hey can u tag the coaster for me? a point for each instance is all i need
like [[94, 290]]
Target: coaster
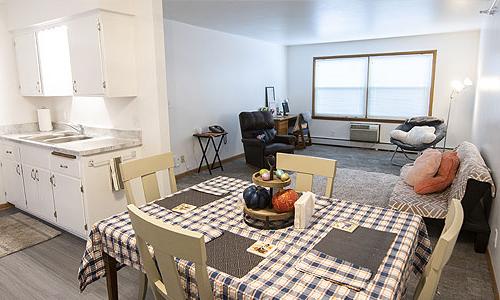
[[344, 226], [261, 249], [183, 208]]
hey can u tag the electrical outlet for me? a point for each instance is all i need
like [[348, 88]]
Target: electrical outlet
[[496, 237], [177, 161]]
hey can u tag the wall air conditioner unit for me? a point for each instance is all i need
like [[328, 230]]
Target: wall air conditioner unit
[[362, 132]]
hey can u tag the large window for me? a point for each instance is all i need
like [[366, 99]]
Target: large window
[[383, 87]]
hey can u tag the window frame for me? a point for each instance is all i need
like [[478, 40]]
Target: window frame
[[431, 96]]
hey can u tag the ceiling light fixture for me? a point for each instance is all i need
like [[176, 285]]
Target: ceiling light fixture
[[492, 10]]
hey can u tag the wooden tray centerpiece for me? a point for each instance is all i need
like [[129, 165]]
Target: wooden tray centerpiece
[[268, 218]]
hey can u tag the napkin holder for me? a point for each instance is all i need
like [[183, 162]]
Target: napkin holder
[[304, 209]]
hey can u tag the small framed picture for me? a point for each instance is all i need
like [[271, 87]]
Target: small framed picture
[[270, 96]]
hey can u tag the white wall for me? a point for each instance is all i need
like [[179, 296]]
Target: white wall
[[456, 59], [486, 124], [212, 76]]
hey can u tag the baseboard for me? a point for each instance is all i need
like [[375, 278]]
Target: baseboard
[[204, 167], [493, 277], [6, 206]]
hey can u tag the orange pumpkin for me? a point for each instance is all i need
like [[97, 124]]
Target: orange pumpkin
[[284, 200]]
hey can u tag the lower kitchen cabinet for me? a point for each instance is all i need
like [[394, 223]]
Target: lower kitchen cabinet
[[38, 190], [68, 202], [12, 174]]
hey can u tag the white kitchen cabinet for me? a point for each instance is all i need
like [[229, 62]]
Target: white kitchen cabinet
[[28, 68], [12, 174], [68, 201], [102, 55], [38, 190], [53, 57]]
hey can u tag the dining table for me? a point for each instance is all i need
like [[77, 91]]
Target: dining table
[[317, 262]]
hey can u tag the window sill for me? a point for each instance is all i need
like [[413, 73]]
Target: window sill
[[399, 121]]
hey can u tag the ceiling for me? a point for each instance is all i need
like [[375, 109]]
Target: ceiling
[[292, 22]]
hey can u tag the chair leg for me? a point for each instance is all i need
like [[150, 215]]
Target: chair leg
[[404, 153], [143, 286]]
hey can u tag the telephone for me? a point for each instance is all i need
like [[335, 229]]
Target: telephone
[[216, 129]]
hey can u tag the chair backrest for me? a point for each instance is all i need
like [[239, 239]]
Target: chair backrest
[[427, 286], [255, 122], [168, 242], [306, 167], [146, 169]]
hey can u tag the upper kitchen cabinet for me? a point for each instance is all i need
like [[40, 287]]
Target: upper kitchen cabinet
[[53, 56], [28, 69], [102, 55]]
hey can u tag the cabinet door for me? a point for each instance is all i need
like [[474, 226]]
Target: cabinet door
[[13, 183], [30, 188], [45, 200], [68, 201], [85, 56], [27, 64]]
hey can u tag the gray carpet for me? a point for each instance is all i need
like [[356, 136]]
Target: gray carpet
[[19, 231]]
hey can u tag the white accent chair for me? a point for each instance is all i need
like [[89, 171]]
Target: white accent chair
[[146, 169], [306, 167], [428, 284], [168, 242]]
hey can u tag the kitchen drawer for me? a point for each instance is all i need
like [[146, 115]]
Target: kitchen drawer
[[9, 151], [65, 164], [35, 156]]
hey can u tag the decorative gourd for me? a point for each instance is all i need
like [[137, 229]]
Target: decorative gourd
[[284, 200], [256, 197]]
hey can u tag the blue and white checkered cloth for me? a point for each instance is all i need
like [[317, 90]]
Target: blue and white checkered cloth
[[277, 276]]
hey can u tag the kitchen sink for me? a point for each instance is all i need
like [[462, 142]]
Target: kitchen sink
[[57, 138], [43, 137], [67, 139]]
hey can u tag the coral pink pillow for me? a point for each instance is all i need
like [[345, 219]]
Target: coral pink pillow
[[425, 167], [444, 178]]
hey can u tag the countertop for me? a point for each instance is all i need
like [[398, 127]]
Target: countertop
[[95, 145]]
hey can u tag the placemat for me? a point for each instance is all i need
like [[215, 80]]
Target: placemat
[[228, 253], [192, 197], [364, 247]]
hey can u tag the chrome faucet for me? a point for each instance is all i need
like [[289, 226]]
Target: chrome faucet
[[76, 127]]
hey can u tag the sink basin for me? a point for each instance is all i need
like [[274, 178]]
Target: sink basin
[[44, 137], [67, 139]]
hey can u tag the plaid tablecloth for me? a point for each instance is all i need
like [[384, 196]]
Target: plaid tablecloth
[[276, 276]]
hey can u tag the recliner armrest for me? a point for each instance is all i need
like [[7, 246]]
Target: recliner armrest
[[285, 139], [253, 142]]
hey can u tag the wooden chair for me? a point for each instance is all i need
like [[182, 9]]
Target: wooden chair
[[306, 167], [146, 169], [168, 242], [301, 132], [427, 287]]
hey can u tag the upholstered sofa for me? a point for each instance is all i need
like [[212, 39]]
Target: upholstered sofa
[[473, 185]]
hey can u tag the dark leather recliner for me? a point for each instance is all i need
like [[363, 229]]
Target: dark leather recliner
[[259, 138]]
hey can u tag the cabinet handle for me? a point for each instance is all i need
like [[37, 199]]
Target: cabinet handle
[[38, 87], [33, 174], [18, 170], [63, 166], [8, 152], [74, 87], [53, 180], [36, 176]]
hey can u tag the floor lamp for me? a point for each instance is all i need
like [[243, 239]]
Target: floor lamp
[[458, 87]]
